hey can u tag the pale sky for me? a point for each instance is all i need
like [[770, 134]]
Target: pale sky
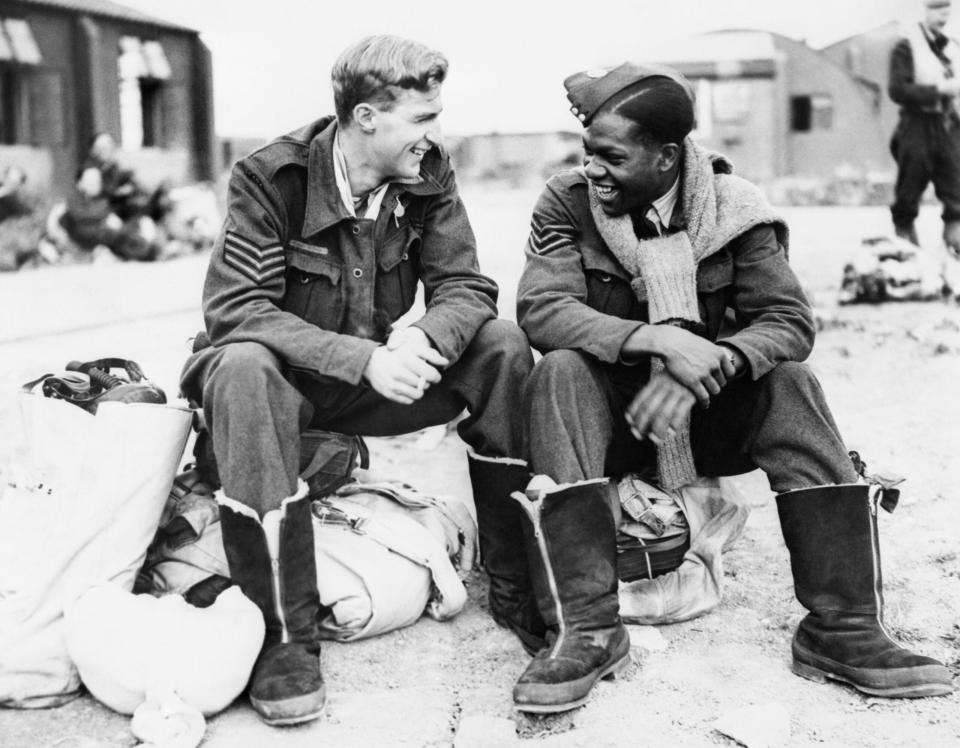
[[508, 58]]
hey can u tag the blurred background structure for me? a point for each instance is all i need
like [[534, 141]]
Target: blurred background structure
[[70, 69], [809, 120]]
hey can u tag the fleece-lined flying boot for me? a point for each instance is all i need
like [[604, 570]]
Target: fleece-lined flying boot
[[503, 549], [831, 533], [275, 566], [573, 542]]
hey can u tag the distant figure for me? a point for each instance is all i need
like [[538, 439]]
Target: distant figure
[[17, 244], [118, 184], [128, 198], [87, 221], [11, 193], [926, 143]]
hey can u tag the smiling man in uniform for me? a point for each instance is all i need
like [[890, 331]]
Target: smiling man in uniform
[[634, 264], [329, 231]]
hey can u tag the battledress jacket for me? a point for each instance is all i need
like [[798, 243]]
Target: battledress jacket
[[294, 271], [574, 294]]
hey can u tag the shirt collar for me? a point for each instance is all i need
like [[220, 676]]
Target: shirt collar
[[661, 211], [340, 174], [326, 203]]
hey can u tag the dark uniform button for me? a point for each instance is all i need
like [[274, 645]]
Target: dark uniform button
[[604, 278], [405, 256], [357, 273], [356, 229]]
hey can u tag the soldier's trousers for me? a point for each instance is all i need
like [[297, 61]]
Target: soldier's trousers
[[575, 405], [925, 150], [256, 409]]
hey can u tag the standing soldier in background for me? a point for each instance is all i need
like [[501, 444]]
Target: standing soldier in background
[[926, 143]]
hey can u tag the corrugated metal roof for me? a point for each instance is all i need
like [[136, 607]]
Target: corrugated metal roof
[[107, 9]]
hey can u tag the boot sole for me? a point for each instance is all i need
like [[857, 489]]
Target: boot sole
[[847, 675], [292, 711], [608, 673]]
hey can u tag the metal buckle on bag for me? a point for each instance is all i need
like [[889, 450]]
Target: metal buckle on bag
[[333, 516]]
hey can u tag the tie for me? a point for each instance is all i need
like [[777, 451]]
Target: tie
[[645, 223]]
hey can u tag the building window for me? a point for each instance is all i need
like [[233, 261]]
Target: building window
[[18, 43], [808, 113], [22, 87], [143, 71]]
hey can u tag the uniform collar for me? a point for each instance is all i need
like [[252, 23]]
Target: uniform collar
[[325, 206]]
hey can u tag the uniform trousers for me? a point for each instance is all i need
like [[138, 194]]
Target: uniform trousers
[[926, 148], [256, 408], [575, 405]]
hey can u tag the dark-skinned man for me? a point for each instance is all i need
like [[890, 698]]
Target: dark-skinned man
[[633, 264]]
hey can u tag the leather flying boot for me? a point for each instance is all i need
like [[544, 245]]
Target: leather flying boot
[[831, 533], [275, 566], [951, 237], [574, 572], [503, 549], [908, 232]]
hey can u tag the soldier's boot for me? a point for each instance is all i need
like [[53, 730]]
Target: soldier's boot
[[503, 549], [951, 237], [831, 533], [573, 539], [908, 232], [274, 564]]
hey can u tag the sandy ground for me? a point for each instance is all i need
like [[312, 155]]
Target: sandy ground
[[890, 373]]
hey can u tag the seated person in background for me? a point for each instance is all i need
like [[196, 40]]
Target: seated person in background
[[12, 203], [18, 245], [86, 221], [632, 264], [128, 198], [329, 231]]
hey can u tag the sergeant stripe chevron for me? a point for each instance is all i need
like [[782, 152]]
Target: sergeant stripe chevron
[[546, 237], [259, 264]]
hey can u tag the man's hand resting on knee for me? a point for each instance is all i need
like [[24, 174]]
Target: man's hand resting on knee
[[405, 367]]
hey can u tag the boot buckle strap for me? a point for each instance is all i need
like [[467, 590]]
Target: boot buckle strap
[[883, 487]]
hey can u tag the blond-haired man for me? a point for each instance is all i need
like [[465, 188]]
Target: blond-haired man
[[329, 231]]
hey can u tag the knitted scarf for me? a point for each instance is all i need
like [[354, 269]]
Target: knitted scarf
[[717, 207]]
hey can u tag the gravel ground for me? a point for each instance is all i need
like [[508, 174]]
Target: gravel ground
[[889, 372]]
